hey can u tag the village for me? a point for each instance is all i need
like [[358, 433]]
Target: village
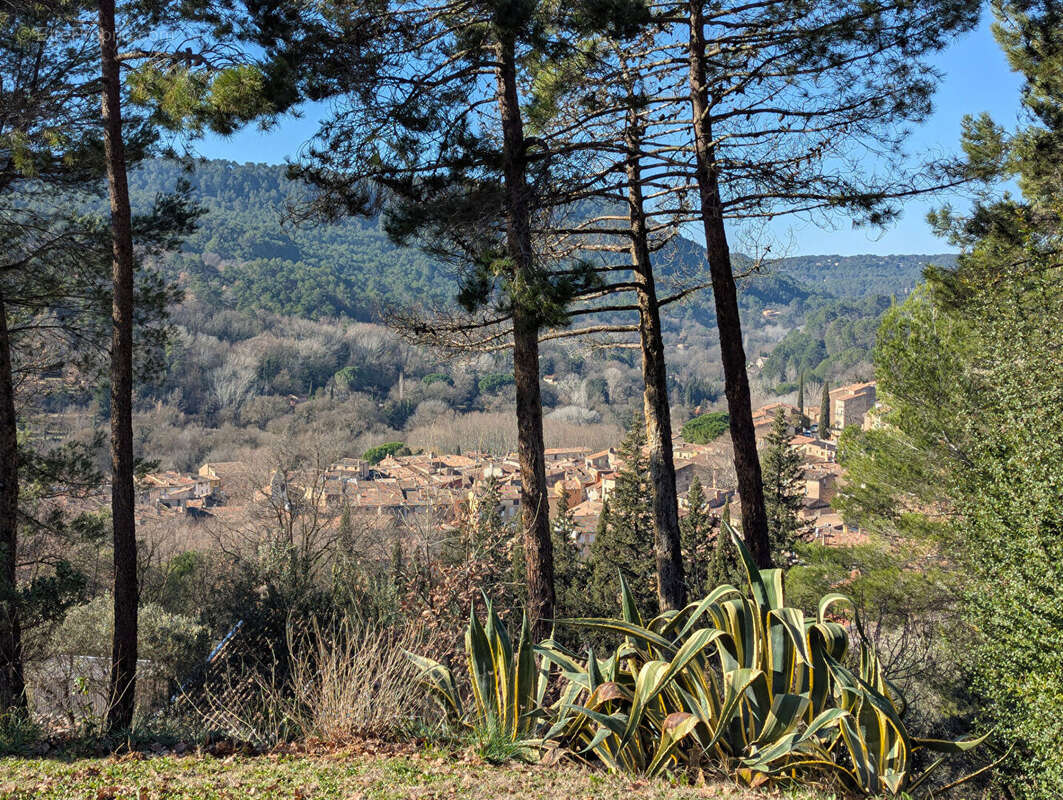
[[437, 487]]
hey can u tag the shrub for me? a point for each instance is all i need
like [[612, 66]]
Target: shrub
[[73, 680], [374, 455], [332, 682]]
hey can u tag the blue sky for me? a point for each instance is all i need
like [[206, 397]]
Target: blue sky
[[976, 79]]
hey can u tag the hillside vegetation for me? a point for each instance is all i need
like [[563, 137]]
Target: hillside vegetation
[[248, 254]]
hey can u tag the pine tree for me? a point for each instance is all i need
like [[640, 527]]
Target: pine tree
[[624, 542], [783, 492], [696, 532], [824, 412]]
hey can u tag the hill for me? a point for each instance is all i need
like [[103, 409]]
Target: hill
[[862, 275], [246, 255]]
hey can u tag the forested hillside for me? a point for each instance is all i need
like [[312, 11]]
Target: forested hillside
[[862, 275], [834, 338], [248, 255]]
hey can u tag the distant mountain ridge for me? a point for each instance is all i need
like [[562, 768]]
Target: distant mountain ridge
[[861, 275], [246, 255]]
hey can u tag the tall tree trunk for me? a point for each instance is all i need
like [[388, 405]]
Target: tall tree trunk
[[12, 680], [671, 587], [124, 644], [725, 294], [534, 501]]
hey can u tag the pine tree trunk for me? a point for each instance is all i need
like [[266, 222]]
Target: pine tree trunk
[[725, 295], [12, 679], [534, 501], [671, 587], [124, 644]]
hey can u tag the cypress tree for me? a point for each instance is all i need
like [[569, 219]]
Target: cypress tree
[[569, 569], [725, 565], [624, 541], [783, 493], [824, 413], [697, 546]]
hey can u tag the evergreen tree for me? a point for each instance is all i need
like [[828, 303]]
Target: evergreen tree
[[624, 542], [184, 93], [725, 566], [783, 490], [398, 568], [570, 572], [969, 370], [824, 412], [697, 545], [801, 400]]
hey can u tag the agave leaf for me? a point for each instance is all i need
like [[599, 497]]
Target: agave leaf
[[827, 601], [692, 649], [629, 609], [756, 583], [553, 653], [481, 667], [915, 784], [745, 636], [615, 722], [825, 720], [526, 675], [786, 712], [736, 682], [605, 692], [594, 670], [630, 630], [950, 746], [792, 621], [774, 594], [695, 611], [863, 769], [649, 683], [675, 728], [440, 681]]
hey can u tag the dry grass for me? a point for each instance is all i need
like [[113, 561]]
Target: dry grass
[[338, 775], [352, 682], [345, 682]]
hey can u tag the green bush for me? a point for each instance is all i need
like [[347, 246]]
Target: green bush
[[374, 455], [171, 644], [703, 429], [489, 384]]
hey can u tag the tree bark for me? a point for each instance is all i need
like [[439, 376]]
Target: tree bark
[[725, 295], [124, 644], [534, 501], [671, 587], [12, 679]]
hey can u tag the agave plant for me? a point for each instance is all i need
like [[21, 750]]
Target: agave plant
[[742, 682], [507, 685], [737, 682]]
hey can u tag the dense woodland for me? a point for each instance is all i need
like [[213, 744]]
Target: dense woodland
[[517, 227]]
